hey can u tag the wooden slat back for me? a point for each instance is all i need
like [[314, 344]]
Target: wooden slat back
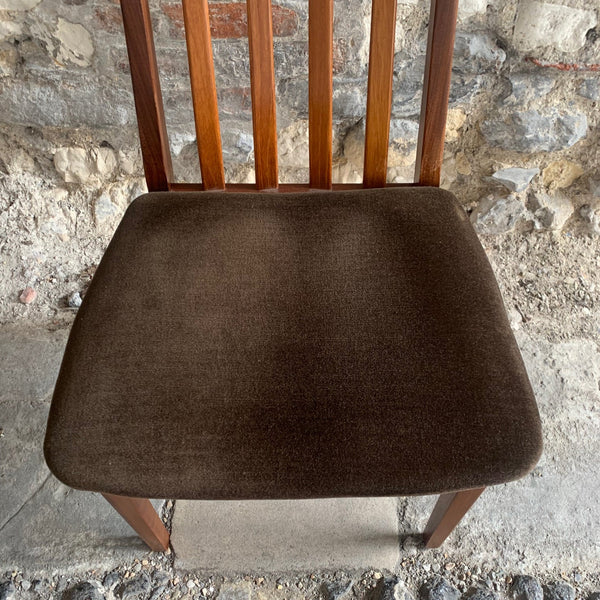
[[204, 93], [320, 91], [436, 92], [149, 108], [147, 95], [262, 82], [379, 92]]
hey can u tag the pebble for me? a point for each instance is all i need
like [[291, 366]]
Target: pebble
[[525, 587], [25, 585], [28, 295], [110, 580], [482, 594], [438, 589], [83, 591], [335, 590], [515, 179], [74, 300], [558, 591], [7, 590], [135, 588]]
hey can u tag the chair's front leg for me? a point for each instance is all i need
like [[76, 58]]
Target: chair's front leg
[[140, 514], [448, 511]]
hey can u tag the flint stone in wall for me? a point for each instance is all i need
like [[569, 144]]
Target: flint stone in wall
[[471, 8], [476, 52], [590, 89], [515, 179], [535, 131], [498, 215], [529, 86], [551, 211], [541, 24]]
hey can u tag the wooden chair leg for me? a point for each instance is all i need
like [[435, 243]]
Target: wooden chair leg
[[447, 513], [142, 517]]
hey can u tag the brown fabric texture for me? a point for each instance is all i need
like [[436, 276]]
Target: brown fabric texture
[[292, 346]]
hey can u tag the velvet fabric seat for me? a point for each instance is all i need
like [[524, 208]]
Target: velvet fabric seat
[[292, 346]]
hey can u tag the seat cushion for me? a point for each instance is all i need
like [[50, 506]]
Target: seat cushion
[[292, 346]]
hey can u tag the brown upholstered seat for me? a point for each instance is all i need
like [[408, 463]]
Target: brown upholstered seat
[[292, 346]]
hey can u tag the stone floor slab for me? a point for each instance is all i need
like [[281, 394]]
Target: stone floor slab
[[44, 525], [286, 535]]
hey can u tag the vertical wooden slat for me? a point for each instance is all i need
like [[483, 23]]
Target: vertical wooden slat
[[320, 90], [262, 81], [204, 93], [436, 91], [379, 92], [147, 95]]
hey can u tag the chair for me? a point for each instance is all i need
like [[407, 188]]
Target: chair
[[292, 341]]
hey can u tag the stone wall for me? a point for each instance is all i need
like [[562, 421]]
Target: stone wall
[[523, 148]]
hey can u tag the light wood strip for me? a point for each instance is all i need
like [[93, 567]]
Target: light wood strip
[[320, 90], [154, 142], [379, 92], [436, 91], [262, 81], [204, 92]]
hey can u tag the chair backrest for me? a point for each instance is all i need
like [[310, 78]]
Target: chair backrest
[[149, 107]]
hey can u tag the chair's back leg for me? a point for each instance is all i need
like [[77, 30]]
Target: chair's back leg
[[447, 513], [142, 517]]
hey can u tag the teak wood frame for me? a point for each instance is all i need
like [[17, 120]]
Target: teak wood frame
[[450, 507]]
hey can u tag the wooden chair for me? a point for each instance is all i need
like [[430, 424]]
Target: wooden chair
[[292, 341]]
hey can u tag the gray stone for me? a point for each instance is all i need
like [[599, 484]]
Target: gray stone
[[385, 589], [498, 215], [157, 592], [74, 300], [25, 585], [335, 590], [529, 86], [558, 591], [483, 594], [590, 89], [515, 178], [551, 211], [83, 591], [525, 587], [111, 580], [136, 588], [542, 24], [438, 589], [7, 590], [477, 52], [534, 131], [594, 596]]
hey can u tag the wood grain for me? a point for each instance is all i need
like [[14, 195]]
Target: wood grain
[[286, 188], [142, 517], [447, 513], [154, 142], [320, 90], [262, 83], [436, 91], [379, 92], [204, 93]]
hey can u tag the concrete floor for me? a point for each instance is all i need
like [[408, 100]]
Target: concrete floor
[[548, 522]]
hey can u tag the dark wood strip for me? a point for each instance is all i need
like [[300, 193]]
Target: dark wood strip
[[379, 92], [147, 95], [243, 188], [204, 92], [436, 91], [320, 90], [262, 82]]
